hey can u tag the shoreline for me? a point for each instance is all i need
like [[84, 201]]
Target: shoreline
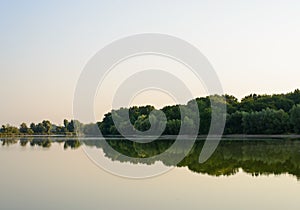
[[226, 136]]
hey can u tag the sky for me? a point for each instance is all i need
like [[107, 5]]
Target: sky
[[44, 46]]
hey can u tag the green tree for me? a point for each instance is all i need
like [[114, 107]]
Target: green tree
[[9, 130], [295, 118], [47, 125], [234, 123], [231, 103], [267, 121], [33, 127], [142, 123]]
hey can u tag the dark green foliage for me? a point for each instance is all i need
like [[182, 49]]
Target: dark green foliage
[[142, 123], [267, 121], [295, 118], [23, 128], [234, 123], [255, 102], [254, 114], [173, 127], [294, 96], [232, 103], [204, 113], [172, 112], [8, 130], [43, 128]]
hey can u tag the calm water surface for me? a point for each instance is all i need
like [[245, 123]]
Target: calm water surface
[[46, 174]]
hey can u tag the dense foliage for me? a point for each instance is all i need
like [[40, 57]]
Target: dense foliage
[[43, 128], [254, 114]]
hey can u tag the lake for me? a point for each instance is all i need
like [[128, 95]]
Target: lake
[[56, 173]]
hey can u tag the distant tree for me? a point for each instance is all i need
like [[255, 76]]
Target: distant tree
[[267, 121], [234, 123], [294, 96], [205, 120], [71, 126], [41, 129], [34, 128], [107, 126], [90, 129], [173, 127], [204, 107], [254, 114], [142, 123], [188, 125], [172, 112], [25, 130], [66, 123], [232, 103], [9, 130], [282, 102], [295, 118], [47, 126]]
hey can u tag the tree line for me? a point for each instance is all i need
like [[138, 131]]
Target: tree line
[[43, 128], [253, 114]]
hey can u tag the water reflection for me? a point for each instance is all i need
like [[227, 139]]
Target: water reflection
[[256, 157]]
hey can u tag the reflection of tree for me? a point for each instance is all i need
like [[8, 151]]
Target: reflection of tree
[[24, 141], [256, 157], [73, 144], [253, 156], [7, 142], [43, 142]]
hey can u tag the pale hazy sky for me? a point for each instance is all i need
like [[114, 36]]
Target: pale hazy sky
[[252, 45]]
